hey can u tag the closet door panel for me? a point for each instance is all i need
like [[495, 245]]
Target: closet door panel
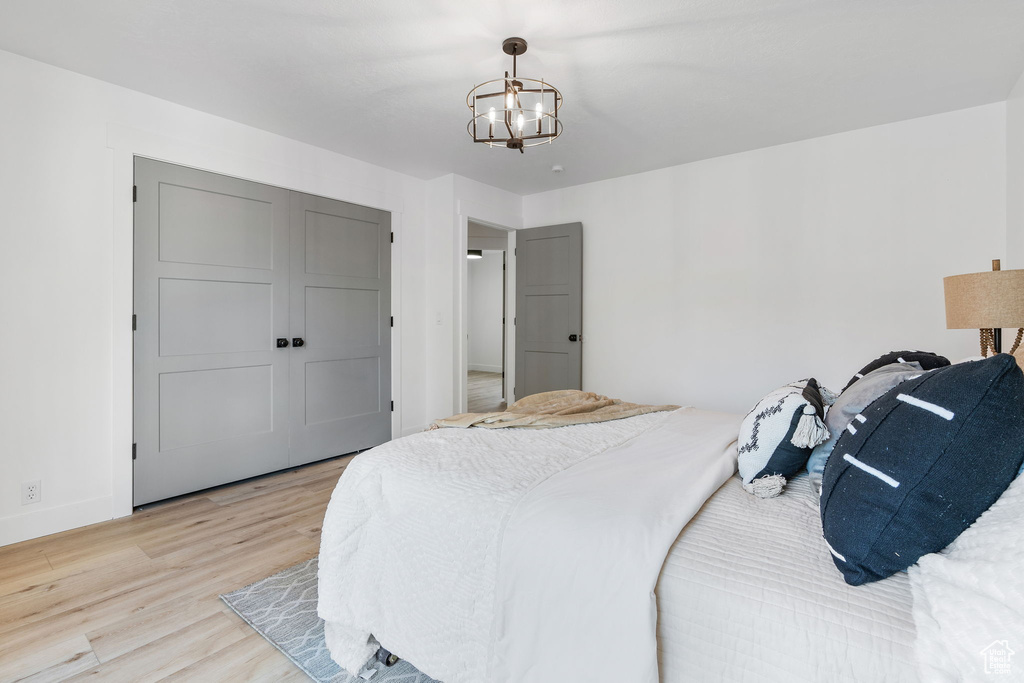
[[340, 281], [211, 297]]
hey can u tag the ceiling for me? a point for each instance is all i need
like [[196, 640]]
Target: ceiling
[[646, 84]]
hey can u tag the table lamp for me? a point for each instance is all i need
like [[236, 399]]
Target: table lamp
[[986, 302]]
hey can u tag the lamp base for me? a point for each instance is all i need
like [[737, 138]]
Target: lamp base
[[992, 338]]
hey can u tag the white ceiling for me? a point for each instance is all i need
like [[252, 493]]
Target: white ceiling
[[647, 84]]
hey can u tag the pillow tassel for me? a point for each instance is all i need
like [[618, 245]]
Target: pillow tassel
[[768, 486], [810, 431], [827, 396]]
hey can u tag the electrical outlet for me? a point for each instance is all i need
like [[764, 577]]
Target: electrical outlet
[[31, 492]]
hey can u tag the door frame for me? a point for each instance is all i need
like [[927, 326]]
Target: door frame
[[468, 211], [125, 144]]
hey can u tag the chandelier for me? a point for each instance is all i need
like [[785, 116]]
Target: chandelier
[[514, 112]]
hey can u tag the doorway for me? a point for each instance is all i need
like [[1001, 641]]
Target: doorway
[[486, 318]]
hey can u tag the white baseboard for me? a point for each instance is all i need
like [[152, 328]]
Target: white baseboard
[[485, 368], [28, 525]]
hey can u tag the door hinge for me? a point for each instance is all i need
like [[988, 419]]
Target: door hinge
[[392, 321], [135, 193], [513, 321], [392, 238], [392, 406], [135, 451], [135, 323]]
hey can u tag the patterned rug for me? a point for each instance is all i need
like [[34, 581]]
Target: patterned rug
[[282, 609]]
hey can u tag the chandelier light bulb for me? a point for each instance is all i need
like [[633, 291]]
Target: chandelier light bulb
[[490, 115], [540, 116], [519, 122]]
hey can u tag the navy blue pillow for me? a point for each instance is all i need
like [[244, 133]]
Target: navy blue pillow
[[927, 359], [920, 465]]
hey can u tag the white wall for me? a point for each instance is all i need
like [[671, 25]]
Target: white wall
[[1015, 179], [765, 266], [452, 201], [65, 274], [485, 311], [712, 283]]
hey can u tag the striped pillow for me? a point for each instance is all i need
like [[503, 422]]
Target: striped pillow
[[925, 461]]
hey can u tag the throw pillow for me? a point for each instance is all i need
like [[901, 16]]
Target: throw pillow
[[845, 412], [777, 436], [928, 361], [929, 457]]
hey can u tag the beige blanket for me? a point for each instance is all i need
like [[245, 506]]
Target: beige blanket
[[552, 409]]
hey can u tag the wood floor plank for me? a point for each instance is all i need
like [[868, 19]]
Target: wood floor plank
[[142, 628], [137, 598], [53, 663], [250, 659], [18, 563], [264, 485], [100, 598], [73, 545], [168, 655], [239, 515], [108, 561], [484, 392]]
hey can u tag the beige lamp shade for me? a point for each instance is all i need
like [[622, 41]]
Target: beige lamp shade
[[986, 300]]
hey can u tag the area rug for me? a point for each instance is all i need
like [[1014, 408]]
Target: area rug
[[282, 609]]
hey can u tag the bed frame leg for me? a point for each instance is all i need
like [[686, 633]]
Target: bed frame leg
[[386, 658]]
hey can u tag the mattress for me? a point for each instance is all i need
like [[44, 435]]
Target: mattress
[[749, 592]]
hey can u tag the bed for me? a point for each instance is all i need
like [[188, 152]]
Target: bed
[[749, 592], [476, 555]]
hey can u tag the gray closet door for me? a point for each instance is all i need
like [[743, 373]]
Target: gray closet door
[[224, 268], [211, 296], [549, 308], [341, 308]]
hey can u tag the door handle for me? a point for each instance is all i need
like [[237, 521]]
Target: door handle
[[282, 343], [573, 337], [297, 342]]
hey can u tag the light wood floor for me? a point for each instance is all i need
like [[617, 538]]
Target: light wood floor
[[135, 599], [484, 393]]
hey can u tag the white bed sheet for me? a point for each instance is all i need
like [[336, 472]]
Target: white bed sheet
[[749, 592]]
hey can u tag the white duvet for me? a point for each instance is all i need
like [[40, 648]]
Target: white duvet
[[969, 599], [511, 555]]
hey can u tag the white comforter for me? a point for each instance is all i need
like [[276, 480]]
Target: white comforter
[[969, 599], [516, 555]]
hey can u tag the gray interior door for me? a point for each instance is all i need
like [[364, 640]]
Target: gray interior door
[[211, 296], [549, 308], [341, 308], [228, 273]]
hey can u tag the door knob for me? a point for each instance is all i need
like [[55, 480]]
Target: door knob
[[282, 343], [573, 337], [297, 342]]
